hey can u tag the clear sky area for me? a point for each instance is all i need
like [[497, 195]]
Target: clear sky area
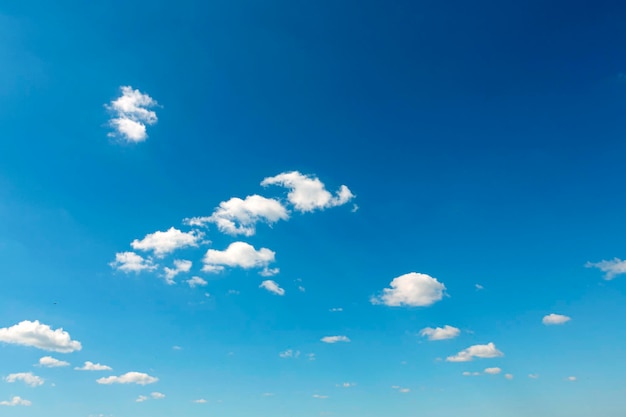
[[328, 208]]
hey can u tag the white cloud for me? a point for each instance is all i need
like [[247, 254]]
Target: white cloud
[[131, 115], [336, 309], [477, 351], [129, 378], [131, 262], [571, 378], [466, 373], [307, 193], [50, 362], [163, 243], [412, 289], [141, 398], [200, 401], [508, 376], [335, 339], [320, 397], [533, 376], [400, 389], [16, 401], [440, 333], [238, 254], [239, 217], [41, 336], [272, 286], [197, 282], [611, 268], [269, 272], [552, 319], [479, 287], [27, 377], [492, 371], [289, 353], [180, 266], [310, 356], [90, 366], [346, 385], [157, 395]]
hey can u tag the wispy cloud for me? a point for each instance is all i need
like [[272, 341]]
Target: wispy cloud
[[180, 266], [335, 339], [611, 268]]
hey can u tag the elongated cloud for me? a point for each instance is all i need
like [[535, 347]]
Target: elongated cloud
[[180, 266], [440, 333], [477, 351], [50, 362], [412, 290], [239, 217], [552, 319], [41, 336], [16, 401], [611, 268], [307, 193], [131, 114], [26, 377], [128, 262], [272, 286], [238, 254], [163, 243], [90, 366], [492, 371], [129, 378], [335, 339]]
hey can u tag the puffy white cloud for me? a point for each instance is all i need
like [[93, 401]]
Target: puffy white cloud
[[129, 378], [492, 371], [238, 254], [131, 262], [335, 339], [27, 377], [163, 243], [272, 286], [611, 268], [157, 395], [477, 351], [552, 319], [50, 362], [239, 217], [307, 192], [180, 266], [90, 366], [197, 282], [289, 353], [16, 401], [41, 336], [412, 289], [440, 333], [131, 114]]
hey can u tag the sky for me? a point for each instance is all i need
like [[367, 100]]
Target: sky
[[332, 208]]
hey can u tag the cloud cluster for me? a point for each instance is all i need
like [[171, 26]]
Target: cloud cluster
[[38, 335], [440, 333], [238, 254], [131, 113], [610, 268], [477, 351], [129, 378], [412, 290], [26, 377]]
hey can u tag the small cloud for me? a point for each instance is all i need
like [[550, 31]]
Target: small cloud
[[611, 268], [177, 347], [508, 376], [400, 389], [311, 356], [157, 395], [194, 282], [290, 354], [141, 398], [268, 394], [26, 377], [90, 366], [477, 351], [180, 266], [272, 286], [554, 319], [233, 292], [571, 378], [238, 254], [321, 397], [301, 288], [200, 401], [16, 401], [336, 309], [50, 362], [440, 333], [533, 376], [411, 290], [269, 272], [466, 373], [492, 371], [129, 378], [131, 262], [131, 114], [164, 243], [40, 336], [346, 385], [479, 287], [335, 339], [355, 208]]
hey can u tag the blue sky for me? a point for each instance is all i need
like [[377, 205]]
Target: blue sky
[[389, 209]]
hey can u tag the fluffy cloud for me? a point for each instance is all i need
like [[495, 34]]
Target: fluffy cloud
[[197, 282], [27, 377], [239, 217], [610, 268], [50, 362], [90, 366], [131, 262], [163, 243], [272, 286], [335, 339], [307, 193], [412, 289], [440, 333], [129, 378], [180, 266], [477, 351], [492, 371], [41, 336], [16, 401], [141, 398], [131, 114], [238, 254], [157, 395], [269, 272], [552, 319]]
